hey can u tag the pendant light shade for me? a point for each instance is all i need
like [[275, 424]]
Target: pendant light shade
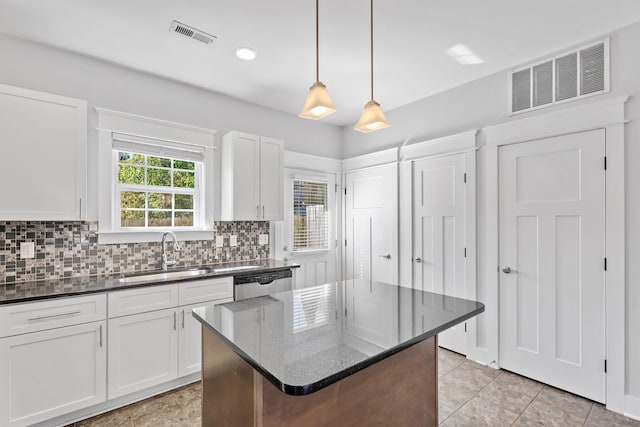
[[372, 117], [318, 103]]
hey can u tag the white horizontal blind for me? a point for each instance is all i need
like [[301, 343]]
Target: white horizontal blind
[[311, 307], [153, 147], [310, 215]]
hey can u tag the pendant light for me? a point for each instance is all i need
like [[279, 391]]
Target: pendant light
[[318, 104], [372, 117]]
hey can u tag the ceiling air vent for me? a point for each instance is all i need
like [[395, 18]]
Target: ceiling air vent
[[192, 33], [570, 75]]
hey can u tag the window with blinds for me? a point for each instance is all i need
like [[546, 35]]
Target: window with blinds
[[310, 215]]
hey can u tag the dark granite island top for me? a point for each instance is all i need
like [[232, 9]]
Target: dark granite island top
[[316, 339]]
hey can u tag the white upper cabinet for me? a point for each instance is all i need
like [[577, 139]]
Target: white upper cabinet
[[252, 178], [44, 153]]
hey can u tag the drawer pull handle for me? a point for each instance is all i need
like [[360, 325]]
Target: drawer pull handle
[[53, 316]]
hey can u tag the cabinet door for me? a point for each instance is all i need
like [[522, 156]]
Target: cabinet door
[[143, 351], [190, 356], [271, 179], [240, 175], [44, 156], [50, 373]]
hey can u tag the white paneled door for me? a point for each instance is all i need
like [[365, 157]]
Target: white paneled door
[[552, 256], [439, 256], [371, 224], [308, 233]]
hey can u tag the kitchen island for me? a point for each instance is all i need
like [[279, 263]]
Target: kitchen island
[[351, 353]]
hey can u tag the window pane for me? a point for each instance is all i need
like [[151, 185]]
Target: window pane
[[183, 164], [310, 215], [159, 161], [132, 199], [130, 158], [184, 201], [132, 218], [160, 200], [130, 175], [159, 218], [183, 179], [184, 219], [159, 177]]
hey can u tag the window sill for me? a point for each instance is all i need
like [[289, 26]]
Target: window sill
[[114, 237]]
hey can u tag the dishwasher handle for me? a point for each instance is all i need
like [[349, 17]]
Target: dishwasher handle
[[264, 278]]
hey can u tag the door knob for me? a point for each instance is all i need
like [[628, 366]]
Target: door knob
[[506, 269], [418, 260], [387, 256]]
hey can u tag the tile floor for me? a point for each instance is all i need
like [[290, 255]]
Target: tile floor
[[471, 395]]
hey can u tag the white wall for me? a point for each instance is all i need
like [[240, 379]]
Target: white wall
[[484, 102], [102, 84]]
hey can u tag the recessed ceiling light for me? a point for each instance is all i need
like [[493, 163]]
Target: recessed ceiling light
[[464, 55], [246, 53]]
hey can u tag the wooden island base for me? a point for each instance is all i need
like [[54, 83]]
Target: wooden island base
[[401, 390]]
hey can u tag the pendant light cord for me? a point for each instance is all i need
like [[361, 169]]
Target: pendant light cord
[[317, 46], [371, 50]]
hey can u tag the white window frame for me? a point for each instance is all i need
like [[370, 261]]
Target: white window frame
[[117, 126]]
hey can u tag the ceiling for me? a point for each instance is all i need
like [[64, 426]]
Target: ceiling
[[411, 40]]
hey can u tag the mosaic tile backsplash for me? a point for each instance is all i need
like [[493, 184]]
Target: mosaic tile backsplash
[[66, 249]]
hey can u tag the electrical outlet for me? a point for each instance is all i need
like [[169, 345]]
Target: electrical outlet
[[219, 241], [27, 250], [233, 240], [263, 239]]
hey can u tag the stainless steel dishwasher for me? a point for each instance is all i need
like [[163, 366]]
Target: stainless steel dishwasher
[[260, 284]]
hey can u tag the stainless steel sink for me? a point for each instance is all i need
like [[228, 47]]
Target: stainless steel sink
[[181, 274], [165, 275], [234, 269]]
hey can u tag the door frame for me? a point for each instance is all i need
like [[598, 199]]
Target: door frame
[[609, 115], [462, 143]]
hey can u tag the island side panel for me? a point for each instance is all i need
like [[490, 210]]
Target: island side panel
[[227, 385], [399, 390]]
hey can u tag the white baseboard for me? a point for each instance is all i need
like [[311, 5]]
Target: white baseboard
[[632, 407], [119, 402]]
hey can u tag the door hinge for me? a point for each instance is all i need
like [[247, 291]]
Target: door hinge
[[336, 243], [605, 162], [605, 264], [465, 326], [605, 366], [345, 191], [345, 242], [336, 187], [465, 178], [465, 252]]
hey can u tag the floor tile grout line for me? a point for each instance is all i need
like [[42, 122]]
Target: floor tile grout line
[[527, 407]]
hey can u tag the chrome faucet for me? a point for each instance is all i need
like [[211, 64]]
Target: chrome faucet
[[176, 248]]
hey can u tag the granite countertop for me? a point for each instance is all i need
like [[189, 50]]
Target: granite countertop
[[306, 339], [44, 289]]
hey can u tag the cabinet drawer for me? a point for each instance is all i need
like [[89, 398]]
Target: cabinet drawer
[[24, 318], [206, 290], [150, 298]]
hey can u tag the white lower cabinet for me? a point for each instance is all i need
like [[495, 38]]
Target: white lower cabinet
[[143, 351], [53, 372], [190, 357]]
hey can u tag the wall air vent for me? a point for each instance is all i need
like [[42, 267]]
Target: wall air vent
[[570, 75], [192, 33]]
